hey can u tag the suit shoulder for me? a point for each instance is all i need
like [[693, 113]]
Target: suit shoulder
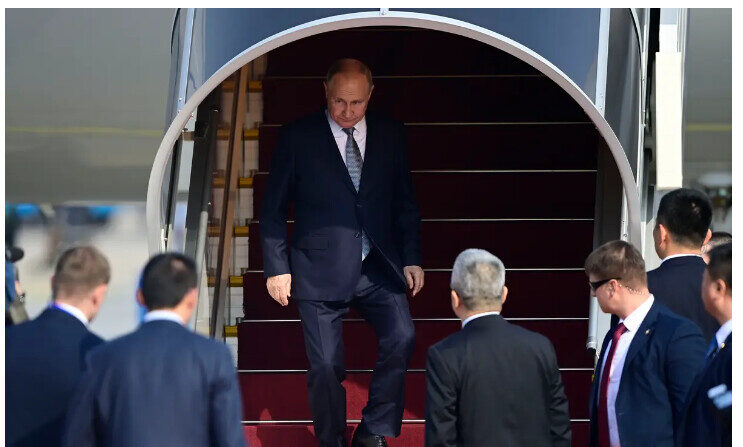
[[305, 123], [676, 324], [449, 345]]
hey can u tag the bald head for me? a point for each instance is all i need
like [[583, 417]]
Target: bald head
[[346, 67]]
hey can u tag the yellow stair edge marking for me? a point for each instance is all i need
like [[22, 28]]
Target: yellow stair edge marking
[[230, 331], [243, 182], [223, 133], [240, 231], [235, 281], [253, 86]]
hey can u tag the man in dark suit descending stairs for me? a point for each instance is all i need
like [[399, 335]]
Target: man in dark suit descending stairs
[[355, 243]]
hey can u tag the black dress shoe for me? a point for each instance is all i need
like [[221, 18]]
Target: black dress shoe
[[363, 438]]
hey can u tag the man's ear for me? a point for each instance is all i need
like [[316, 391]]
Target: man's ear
[[140, 298], [505, 294], [99, 294], [455, 301], [325, 84], [663, 233], [708, 237], [191, 298], [371, 89]]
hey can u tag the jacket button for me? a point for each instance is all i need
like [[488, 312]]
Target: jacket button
[[357, 235]]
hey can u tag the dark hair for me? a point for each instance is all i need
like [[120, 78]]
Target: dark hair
[[349, 65], [166, 279], [686, 213], [618, 260], [721, 264], [80, 270], [718, 238]]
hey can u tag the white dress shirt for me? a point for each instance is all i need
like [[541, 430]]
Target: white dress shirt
[[166, 315], [722, 334], [632, 323], [341, 137], [72, 310], [476, 316]]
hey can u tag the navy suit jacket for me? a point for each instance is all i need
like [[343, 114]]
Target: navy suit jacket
[[700, 424], [664, 357], [677, 283], [161, 385], [43, 361], [325, 254]]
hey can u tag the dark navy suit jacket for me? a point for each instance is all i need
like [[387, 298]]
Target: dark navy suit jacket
[[43, 361], [677, 283], [161, 385], [664, 357], [700, 424], [325, 254]]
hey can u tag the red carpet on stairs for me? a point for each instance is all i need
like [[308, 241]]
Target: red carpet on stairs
[[502, 159]]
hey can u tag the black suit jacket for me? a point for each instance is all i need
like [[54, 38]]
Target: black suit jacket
[[494, 383], [43, 361], [308, 171], [677, 283], [665, 355], [161, 385], [700, 424]]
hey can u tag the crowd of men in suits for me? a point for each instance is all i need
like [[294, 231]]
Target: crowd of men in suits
[[663, 376]]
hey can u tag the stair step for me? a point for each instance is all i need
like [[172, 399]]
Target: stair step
[[434, 100], [235, 281], [242, 182], [491, 195], [484, 146], [239, 231], [520, 244], [531, 294], [253, 86], [278, 345], [412, 434], [223, 134], [279, 396]]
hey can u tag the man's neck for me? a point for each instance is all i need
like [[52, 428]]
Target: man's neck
[[636, 301], [64, 303], [473, 313], [678, 250]]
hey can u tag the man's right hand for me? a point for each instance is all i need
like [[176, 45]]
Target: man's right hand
[[279, 287]]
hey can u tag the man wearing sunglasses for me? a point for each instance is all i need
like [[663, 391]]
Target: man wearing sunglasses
[[648, 359]]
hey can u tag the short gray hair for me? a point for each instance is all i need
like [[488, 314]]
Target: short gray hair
[[478, 277]]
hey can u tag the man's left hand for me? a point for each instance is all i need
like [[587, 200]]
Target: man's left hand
[[414, 277]]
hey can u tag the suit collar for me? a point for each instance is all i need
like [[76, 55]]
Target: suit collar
[[643, 333], [55, 313], [483, 321], [681, 259]]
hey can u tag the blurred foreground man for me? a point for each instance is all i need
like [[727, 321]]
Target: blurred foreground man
[[355, 244], [681, 228], [703, 422], [648, 360], [162, 385], [492, 383], [43, 357]]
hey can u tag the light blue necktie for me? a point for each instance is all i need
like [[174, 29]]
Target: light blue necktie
[[354, 162]]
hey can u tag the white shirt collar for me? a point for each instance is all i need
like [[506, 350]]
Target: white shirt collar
[[72, 310], [161, 314], [678, 256], [635, 319], [359, 132], [476, 316], [722, 334]]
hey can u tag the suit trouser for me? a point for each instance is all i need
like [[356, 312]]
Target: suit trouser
[[384, 305]]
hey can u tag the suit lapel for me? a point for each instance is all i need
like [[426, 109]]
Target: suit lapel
[[370, 154], [332, 151], [643, 334]]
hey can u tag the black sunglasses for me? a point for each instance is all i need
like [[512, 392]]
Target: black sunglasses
[[596, 284]]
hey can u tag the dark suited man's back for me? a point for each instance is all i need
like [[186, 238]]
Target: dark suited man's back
[[43, 361], [161, 385], [677, 283], [504, 388]]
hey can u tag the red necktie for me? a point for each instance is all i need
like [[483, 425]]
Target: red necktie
[[604, 387]]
